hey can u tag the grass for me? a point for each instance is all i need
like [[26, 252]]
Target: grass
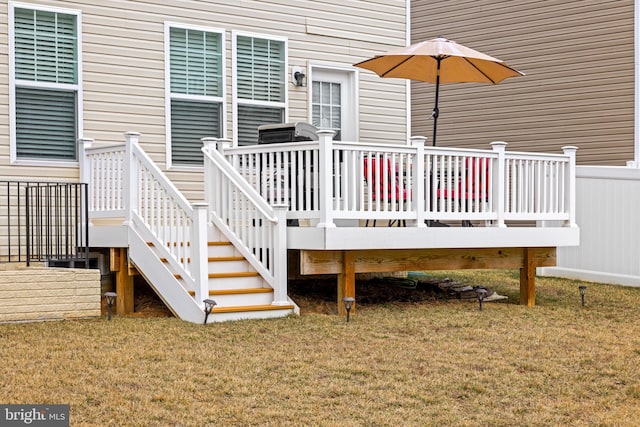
[[437, 363]]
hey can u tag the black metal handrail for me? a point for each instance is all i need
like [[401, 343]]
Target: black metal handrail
[[45, 222]]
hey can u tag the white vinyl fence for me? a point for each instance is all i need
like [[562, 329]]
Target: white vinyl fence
[[607, 206]]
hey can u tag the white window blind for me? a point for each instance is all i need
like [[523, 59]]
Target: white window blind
[[326, 105], [261, 85], [196, 91], [45, 53]]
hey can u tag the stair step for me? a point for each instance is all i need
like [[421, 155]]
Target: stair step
[[237, 291], [225, 258], [241, 308], [213, 259], [226, 275], [221, 243], [234, 274]]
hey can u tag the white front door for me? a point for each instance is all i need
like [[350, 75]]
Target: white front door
[[333, 101]]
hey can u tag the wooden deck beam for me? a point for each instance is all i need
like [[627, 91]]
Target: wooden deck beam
[[346, 263]]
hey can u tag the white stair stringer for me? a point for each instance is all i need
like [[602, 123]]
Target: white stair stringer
[[162, 280]]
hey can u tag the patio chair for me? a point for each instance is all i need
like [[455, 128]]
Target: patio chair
[[473, 186], [384, 185]]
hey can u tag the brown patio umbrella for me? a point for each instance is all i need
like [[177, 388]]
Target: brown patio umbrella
[[438, 61]]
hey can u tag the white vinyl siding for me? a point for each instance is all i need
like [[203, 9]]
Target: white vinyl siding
[[124, 84], [46, 77], [196, 82], [261, 84], [578, 88]]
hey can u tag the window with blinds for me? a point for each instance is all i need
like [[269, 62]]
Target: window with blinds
[[196, 87], [261, 85], [45, 67], [326, 106]]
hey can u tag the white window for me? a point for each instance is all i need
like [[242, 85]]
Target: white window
[[45, 82], [195, 90], [334, 101], [260, 84]]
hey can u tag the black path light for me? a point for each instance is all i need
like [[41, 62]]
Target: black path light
[[481, 293], [110, 297], [208, 307], [348, 304], [582, 289]]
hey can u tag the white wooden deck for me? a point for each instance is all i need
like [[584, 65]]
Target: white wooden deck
[[521, 205]]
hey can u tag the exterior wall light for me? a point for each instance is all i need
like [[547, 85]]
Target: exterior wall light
[[110, 297], [208, 307], [299, 77], [348, 304]]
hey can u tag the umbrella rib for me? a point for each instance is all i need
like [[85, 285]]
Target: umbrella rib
[[480, 71], [484, 74], [407, 59], [396, 66]]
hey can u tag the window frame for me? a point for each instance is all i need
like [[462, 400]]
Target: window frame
[[236, 101], [169, 96], [13, 82]]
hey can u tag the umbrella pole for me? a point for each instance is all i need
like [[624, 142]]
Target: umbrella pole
[[436, 112]]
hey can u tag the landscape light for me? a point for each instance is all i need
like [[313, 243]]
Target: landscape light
[[582, 289], [481, 293], [111, 299], [208, 306], [348, 304]]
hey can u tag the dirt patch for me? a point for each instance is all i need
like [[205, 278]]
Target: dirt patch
[[320, 295]]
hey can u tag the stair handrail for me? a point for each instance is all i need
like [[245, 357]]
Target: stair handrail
[[225, 186], [142, 193], [179, 228]]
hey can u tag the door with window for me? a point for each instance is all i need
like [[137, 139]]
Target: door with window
[[333, 102]]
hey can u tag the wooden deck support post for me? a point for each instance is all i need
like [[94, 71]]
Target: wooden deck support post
[[346, 263], [347, 282], [124, 280], [528, 278]]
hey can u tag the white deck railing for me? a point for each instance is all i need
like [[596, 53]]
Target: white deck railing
[[252, 191], [124, 182], [326, 180], [256, 228]]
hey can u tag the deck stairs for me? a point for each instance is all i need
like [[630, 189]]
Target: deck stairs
[[240, 292], [237, 288], [189, 252]]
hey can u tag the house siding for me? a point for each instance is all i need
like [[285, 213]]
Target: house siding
[[578, 58], [124, 80]]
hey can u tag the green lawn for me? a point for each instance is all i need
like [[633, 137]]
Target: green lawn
[[433, 362]]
